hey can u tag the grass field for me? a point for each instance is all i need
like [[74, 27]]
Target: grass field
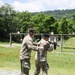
[[9, 58], [60, 63]]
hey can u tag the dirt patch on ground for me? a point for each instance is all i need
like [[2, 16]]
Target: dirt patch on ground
[[7, 72]]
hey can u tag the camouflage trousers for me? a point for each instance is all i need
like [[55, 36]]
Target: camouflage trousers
[[41, 65], [25, 66]]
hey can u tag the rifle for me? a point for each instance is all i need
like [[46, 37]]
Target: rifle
[[54, 43]]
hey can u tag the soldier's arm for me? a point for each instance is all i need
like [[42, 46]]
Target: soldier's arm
[[50, 47], [34, 43], [33, 47]]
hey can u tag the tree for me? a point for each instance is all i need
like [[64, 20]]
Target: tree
[[38, 21], [63, 26], [72, 24], [8, 21], [44, 23], [24, 20], [50, 24]]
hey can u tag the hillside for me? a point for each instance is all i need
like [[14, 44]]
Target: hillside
[[59, 13]]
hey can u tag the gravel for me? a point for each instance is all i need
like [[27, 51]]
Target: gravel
[[13, 72], [7, 72]]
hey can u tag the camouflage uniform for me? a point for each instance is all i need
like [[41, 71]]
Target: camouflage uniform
[[41, 58], [25, 53]]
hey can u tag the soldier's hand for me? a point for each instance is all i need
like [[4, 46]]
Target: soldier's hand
[[42, 48], [51, 47]]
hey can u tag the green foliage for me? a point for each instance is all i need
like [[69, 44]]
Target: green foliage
[[72, 24], [38, 21], [25, 23], [50, 24], [8, 21], [60, 13], [63, 27], [43, 22]]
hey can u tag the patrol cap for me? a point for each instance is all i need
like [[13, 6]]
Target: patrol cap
[[31, 30], [46, 35]]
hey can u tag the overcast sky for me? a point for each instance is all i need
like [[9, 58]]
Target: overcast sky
[[40, 5]]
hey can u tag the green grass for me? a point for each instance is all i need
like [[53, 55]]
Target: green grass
[[60, 63], [4, 42], [69, 45], [9, 58]]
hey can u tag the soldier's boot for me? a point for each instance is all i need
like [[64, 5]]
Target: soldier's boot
[[36, 72], [44, 70], [25, 72], [44, 73]]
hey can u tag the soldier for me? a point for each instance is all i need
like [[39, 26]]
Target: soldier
[[25, 52], [41, 56]]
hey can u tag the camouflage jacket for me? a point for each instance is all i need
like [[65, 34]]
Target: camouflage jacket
[[41, 55], [27, 46]]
